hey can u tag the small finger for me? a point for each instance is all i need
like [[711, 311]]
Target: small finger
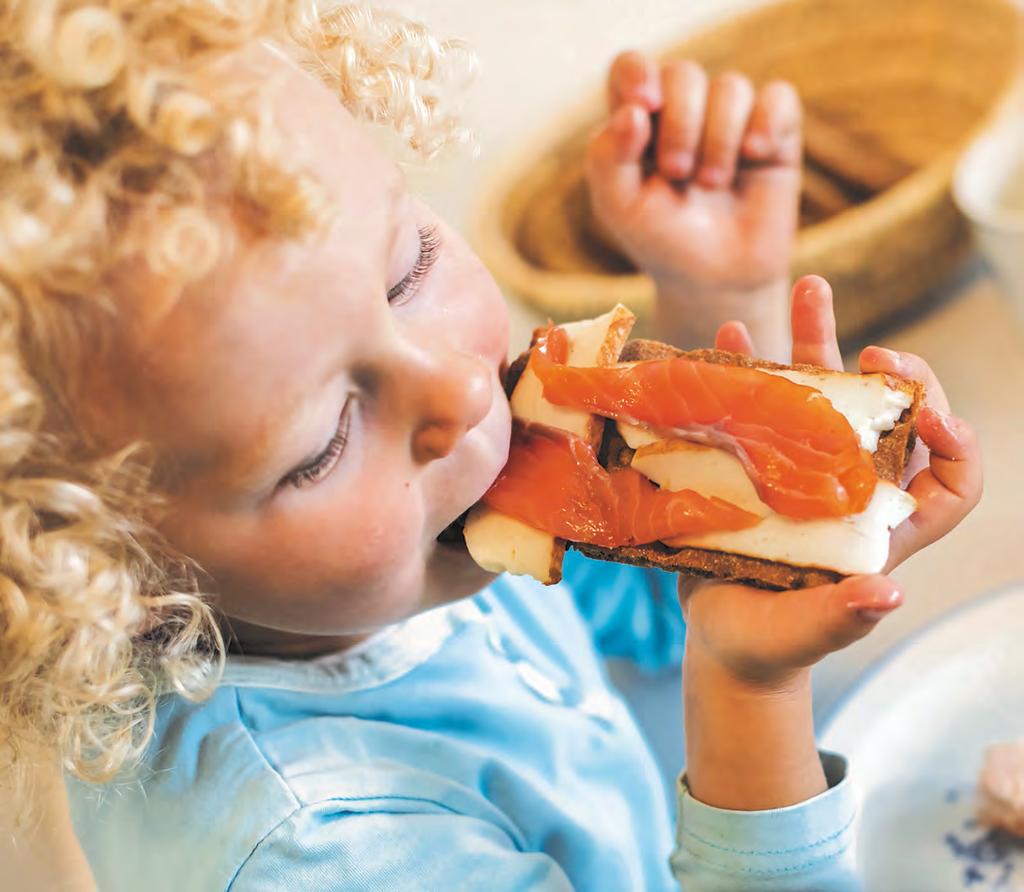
[[684, 88], [955, 455], [774, 130], [614, 159], [909, 366], [730, 100], [946, 436], [946, 491], [814, 324], [633, 80], [939, 511], [734, 337]]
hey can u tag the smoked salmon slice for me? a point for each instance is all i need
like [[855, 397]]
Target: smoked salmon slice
[[554, 482], [801, 454]]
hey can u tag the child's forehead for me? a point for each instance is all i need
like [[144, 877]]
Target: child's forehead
[[312, 133], [309, 126]]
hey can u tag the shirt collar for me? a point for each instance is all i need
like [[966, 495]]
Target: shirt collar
[[384, 656]]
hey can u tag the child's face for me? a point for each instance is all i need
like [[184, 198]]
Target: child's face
[[323, 436]]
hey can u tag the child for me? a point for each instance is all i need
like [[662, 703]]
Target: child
[[248, 381]]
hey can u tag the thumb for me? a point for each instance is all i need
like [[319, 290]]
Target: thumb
[[828, 618], [763, 633]]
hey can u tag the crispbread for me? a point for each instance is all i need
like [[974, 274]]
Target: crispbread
[[891, 457]]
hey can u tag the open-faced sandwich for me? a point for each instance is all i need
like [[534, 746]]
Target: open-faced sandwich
[[703, 462]]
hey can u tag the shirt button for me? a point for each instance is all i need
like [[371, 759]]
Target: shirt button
[[495, 642], [539, 683], [599, 706]]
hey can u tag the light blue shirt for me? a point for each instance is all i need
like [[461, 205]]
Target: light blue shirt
[[477, 746]]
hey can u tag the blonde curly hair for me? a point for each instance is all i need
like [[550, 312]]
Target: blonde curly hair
[[109, 116]]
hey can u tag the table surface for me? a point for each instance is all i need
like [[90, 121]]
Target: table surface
[[968, 334]]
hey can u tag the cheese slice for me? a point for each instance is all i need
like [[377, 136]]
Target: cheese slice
[[870, 405], [503, 544], [678, 465], [855, 544]]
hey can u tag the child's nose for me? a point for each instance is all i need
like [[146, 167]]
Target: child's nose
[[454, 395]]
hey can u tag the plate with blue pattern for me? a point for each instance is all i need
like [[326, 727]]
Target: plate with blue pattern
[[915, 729]]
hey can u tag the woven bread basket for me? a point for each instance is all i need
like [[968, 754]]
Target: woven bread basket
[[914, 78]]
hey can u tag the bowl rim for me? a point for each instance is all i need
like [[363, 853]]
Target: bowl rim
[[995, 219], [1003, 127]]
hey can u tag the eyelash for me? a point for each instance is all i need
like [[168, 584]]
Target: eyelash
[[324, 463], [430, 247]]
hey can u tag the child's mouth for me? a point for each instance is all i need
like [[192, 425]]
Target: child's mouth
[[454, 533]]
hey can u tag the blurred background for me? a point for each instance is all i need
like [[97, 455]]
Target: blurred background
[[910, 85]]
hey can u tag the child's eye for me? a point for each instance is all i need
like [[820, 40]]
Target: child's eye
[[323, 464], [430, 247]]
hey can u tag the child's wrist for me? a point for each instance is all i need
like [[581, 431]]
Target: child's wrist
[[749, 740], [747, 681], [702, 294], [690, 313]]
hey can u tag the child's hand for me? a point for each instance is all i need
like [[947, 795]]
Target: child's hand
[[749, 651], [705, 202], [765, 637]]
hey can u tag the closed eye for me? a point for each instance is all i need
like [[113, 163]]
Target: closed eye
[[318, 468], [430, 248]]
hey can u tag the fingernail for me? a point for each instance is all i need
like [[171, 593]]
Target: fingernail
[[713, 176], [757, 144], [811, 285], [649, 97], [893, 359], [946, 422], [881, 601], [678, 164]]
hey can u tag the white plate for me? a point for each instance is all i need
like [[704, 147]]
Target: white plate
[[915, 730]]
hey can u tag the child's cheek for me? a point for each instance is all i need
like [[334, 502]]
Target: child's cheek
[[375, 534]]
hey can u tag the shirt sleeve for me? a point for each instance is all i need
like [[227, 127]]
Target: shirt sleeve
[[323, 846], [806, 847], [633, 612]]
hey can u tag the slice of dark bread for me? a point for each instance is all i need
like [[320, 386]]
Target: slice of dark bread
[[894, 449]]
